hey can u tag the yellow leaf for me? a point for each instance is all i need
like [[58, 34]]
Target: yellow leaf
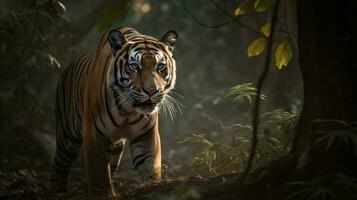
[[283, 55], [244, 8], [257, 47], [263, 5], [266, 29]]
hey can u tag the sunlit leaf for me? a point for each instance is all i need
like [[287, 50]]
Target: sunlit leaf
[[112, 15], [60, 8], [283, 55], [257, 47], [54, 61], [246, 90], [244, 8], [266, 29], [197, 138], [263, 5]]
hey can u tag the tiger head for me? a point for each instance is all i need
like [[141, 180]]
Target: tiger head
[[144, 68]]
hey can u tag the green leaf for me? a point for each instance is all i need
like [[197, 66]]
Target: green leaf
[[244, 8], [198, 139], [283, 55], [112, 15], [257, 47], [246, 90], [263, 5], [266, 29], [60, 8]]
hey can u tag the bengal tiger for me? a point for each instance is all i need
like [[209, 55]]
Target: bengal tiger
[[109, 97]]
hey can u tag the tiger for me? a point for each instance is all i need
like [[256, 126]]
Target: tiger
[[107, 98]]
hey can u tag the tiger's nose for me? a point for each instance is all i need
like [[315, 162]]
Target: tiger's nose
[[150, 91]]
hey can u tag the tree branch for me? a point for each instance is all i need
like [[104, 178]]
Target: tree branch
[[256, 108], [200, 22], [234, 18]]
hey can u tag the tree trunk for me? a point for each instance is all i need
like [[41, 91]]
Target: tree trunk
[[326, 38]]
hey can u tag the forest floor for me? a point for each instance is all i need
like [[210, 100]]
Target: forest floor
[[25, 171], [26, 179]]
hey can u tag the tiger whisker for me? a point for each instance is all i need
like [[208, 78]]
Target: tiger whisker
[[176, 104], [177, 94]]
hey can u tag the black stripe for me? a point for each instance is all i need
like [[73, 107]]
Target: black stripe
[[64, 170], [64, 130], [104, 80], [102, 121], [63, 126], [168, 85], [62, 165], [140, 156], [148, 123], [126, 55], [69, 136], [116, 75], [96, 127], [140, 137], [64, 151], [63, 85], [121, 63], [109, 111], [88, 60], [137, 120], [135, 45], [139, 49], [156, 45], [150, 49], [142, 161], [73, 128], [122, 79], [62, 156], [76, 125]]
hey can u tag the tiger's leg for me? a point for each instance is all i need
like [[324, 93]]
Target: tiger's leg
[[67, 149], [146, 153], [116, 152], [97, 156]]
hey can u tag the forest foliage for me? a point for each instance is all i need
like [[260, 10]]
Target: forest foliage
[[283, 52], [230, 156], [275, 138]]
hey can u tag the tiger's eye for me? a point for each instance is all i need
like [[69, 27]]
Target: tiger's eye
[[134, 66], [161, 67]]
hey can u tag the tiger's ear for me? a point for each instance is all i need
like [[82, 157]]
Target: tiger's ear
[[116, 40], [170, 39]]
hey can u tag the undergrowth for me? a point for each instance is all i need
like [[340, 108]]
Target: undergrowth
[[230, 153]]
